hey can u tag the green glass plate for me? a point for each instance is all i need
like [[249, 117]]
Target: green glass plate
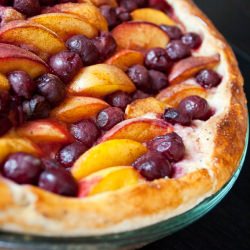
[[122, 241]]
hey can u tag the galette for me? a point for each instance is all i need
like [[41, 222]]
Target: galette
[[114, 115]]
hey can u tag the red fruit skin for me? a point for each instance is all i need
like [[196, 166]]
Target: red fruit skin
[[160, 5]]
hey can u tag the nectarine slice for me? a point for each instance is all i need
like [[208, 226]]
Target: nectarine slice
[[14, 145], [111, 153], [45, 131], [100, 80], [139, 35], [126, 58], [77, 108], [141, 107], [33, 36], [14, 58], [85, 1], [152, 16], [88, 12], [9, 14], [109, 179], [4, 83], [138, 129], [188, 67], [98, 3], [65, 25], [174, 94]]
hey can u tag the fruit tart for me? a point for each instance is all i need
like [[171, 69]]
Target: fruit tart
[[114, 115]]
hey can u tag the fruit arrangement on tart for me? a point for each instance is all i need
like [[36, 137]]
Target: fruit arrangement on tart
[[113, 114]]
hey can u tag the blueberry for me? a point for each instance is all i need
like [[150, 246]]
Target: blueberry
[[27, 7], [140, 77], [175, 116], [192, 40], [173, 32], [109, 117], [176, 50], [58, 181], [22, 84], [119, 99], [66, 64], [196, 106], [158, 80], [208, 78], [153, 166], [70, 153], [52, 88], [85, 47], [22, 168], [105, 44], [36, 108], [169, 145], [110, 14], [85, 131], [157, 59]]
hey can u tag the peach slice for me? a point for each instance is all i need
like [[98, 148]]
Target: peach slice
[[138, 129], [141, 107], [126, 58], [4, 83], [65, 25], [32, 36], [14, 58], [110, 179], [88, 12], [139, 35], [14, 145], [104, 155], [152, 16], [174, 94], [85, 1], [77, 108], [100, 80], [98, 3], [8, 14], [45, 131], [188, 67]]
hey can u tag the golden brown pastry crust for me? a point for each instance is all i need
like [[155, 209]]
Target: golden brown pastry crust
[[32, 210]]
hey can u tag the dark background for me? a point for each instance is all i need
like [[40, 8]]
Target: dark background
[[227, 226]]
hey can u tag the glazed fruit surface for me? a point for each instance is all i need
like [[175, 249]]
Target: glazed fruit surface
[[95, 108]]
